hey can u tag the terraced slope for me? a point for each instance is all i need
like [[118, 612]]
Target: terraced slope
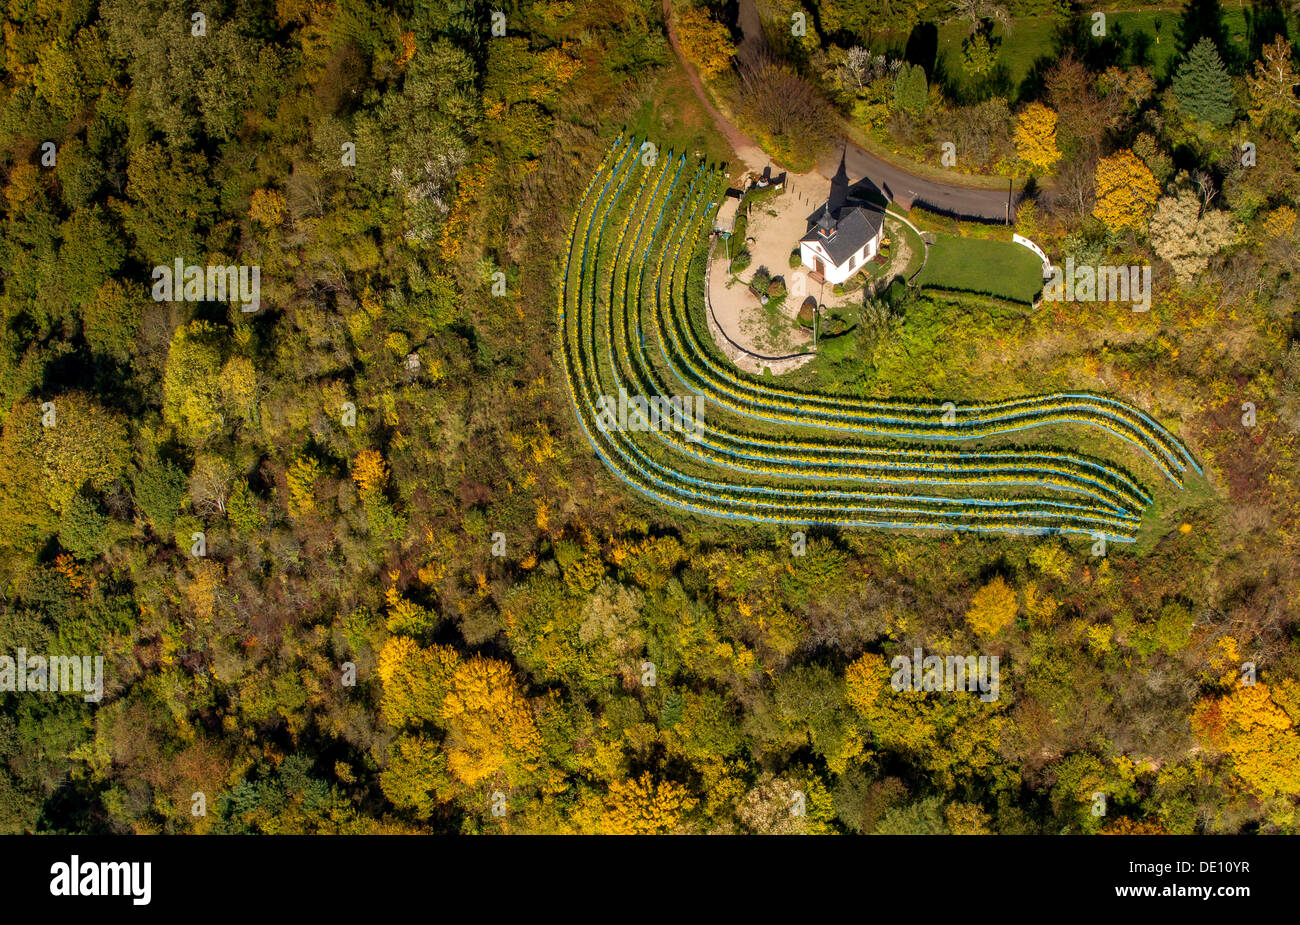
[[762, 452]]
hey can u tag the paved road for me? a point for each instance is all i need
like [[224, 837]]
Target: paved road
[[907, 189]]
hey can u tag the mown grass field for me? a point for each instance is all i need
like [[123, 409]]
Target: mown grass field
[[996, 268]]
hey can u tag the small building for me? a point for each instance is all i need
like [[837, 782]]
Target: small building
[[725, 217], [842, 235]]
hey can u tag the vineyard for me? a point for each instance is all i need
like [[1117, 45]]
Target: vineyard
[[761, 452]]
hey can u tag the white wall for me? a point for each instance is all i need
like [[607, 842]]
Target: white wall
[[808, 255]]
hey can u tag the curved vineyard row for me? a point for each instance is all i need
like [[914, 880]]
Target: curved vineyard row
[[800, 474], [642, 202], [952, 471]]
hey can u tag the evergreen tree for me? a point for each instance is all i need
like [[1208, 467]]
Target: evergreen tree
[[911, 90], [1203, 87]]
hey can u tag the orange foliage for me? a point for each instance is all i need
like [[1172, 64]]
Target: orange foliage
[[1254, 727], [645, 807]]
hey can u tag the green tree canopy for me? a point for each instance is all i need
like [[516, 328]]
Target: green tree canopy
[[1203, 87]]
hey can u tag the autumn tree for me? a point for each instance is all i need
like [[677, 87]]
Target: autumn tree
[[645, 806], [1035, 136], [1153, 154], [953, 736], [301, 479], [52, 451], [370, 472], [783, 805], [1272, 88], [416, 778], [490, 725], [85, 445], [192, 383], [967, 819], [1280, 222], [1071, 92], [415, 680], [705, 42], [1083, 779], [1186, 234], [1126, 191], [1254, 727], [992, 608], [266, 207], [1124, 93]]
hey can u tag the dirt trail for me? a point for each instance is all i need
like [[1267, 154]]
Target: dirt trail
[[746, 149]]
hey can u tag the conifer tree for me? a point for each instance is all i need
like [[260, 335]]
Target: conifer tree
[[1203, 87]]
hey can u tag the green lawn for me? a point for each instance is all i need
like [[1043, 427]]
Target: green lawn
[[1031, 37], [997, 268], [1159, 56]]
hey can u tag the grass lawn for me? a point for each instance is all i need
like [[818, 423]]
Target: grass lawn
[[1031, 38], [1158, 58], [997, 268]]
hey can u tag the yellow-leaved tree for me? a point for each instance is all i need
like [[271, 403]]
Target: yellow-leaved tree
[[704, 41], [1035, 136], [992, 608], [1280, 222], [370, 472], [490, 725], [267, 207], [1126, 191], [952, 735], [645, 806], [301, 481], [896, 723], [415, 680], [1255, 727]]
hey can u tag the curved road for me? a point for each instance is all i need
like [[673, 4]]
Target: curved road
[[900, 186], [908, 189]]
